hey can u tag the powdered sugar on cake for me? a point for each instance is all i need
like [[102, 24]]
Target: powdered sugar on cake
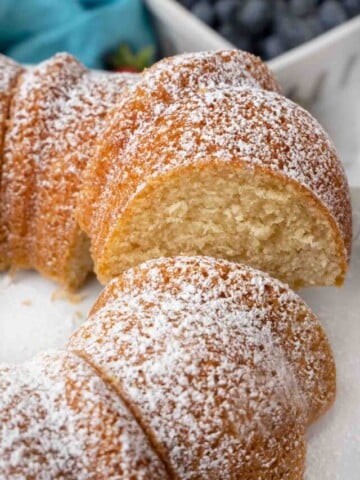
[[195, 341], [59, 420], [205, 109], [180, 74], [9, 72]]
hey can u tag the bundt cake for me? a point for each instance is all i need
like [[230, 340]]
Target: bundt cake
[[187, 368], [190, 367], [59, 420], [237, 172], [58, 112], [200, 155], [9, 72]]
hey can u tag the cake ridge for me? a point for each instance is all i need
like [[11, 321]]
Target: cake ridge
[[59, 430], [10, 73]]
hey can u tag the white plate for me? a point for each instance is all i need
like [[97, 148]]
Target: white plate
[[30, 321]]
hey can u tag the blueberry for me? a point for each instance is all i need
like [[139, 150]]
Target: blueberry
[[293, 31], [235, 36], [280, 7], [331, 14], [225, 10], [352, 7], [300, 8], [254, 15], [204, 11], [188, 3], [271, 47], [314, 25]]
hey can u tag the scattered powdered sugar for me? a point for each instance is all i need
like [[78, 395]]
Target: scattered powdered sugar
[[179, 75], [8, 72], [58, 419], [213, 356]]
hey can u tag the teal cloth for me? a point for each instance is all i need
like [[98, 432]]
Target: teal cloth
[[33, 30]]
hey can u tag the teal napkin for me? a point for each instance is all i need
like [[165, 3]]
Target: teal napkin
[[33, 30]]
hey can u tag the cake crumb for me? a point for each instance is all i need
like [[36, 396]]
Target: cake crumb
[[27, 302], [61, 294], [77, 318]]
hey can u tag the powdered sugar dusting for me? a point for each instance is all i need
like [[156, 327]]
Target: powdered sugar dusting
[[181, 74], [213, 355], [59, 420], [8, 71]]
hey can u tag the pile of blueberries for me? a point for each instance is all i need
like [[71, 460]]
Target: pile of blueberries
[[270, 27]]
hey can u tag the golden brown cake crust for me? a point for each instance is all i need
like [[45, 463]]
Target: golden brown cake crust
[[9, 72], [225, 365], [58, 113], [26, 144]]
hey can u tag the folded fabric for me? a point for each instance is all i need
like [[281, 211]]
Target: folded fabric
[[32, 30]]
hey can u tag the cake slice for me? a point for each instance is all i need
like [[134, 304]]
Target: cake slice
[[162, 85], [237, 173]]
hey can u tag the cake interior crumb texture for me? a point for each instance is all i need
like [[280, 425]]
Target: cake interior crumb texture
[[238, 214]]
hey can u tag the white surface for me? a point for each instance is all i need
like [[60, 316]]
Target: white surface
[[31, 321], [334, 442]]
